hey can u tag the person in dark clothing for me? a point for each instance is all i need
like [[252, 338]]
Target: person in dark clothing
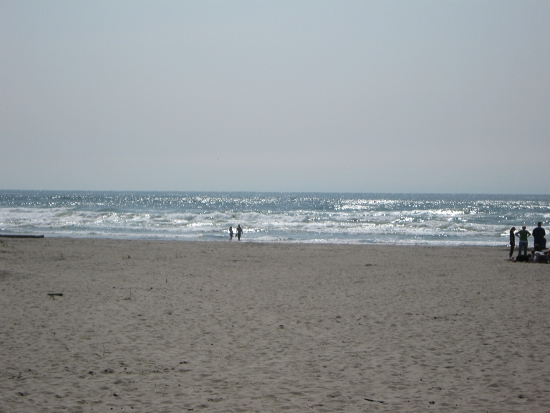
[[538, 235], [512, 242], [239, 232]]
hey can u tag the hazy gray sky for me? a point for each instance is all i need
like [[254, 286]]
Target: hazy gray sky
[[332, 96]]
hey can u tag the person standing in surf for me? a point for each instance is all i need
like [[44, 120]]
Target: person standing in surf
[[239, 232], [230, 233]]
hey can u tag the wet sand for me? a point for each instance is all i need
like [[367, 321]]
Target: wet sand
[[154, 326]]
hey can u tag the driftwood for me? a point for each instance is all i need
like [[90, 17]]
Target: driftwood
[[21, 236], [374, 401], [58, 294]]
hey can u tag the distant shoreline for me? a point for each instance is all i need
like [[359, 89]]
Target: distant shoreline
[[252, 241]]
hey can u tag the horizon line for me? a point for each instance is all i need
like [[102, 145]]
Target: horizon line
[[272, 192]]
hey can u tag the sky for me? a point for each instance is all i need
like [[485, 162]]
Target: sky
[[291, 96]]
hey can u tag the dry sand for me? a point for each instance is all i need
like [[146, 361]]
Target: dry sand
[[151, 326]]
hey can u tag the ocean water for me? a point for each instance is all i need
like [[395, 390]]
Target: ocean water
[[425, 219]]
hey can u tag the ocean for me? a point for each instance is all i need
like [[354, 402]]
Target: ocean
[[340, 218]]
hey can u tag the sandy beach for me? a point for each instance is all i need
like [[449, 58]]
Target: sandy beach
[[154, 326]]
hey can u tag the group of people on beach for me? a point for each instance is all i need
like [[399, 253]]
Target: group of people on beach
[[239, 232], [539, 253]]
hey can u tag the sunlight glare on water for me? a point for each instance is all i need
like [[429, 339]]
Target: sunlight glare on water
[[273, 217]]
